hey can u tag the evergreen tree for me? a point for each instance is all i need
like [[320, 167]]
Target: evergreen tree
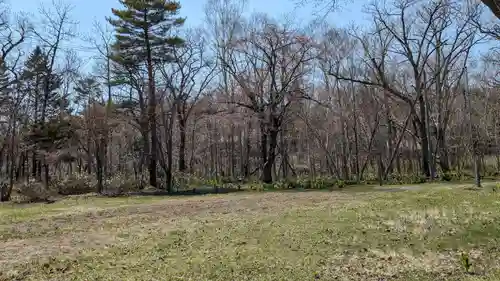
[[88, 91], [142, 36], [33, 78], [42, 104]]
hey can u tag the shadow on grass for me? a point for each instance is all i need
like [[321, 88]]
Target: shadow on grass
[[207, 190], [204, 190]]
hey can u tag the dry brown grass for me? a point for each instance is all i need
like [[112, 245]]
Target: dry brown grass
[[412, 235]]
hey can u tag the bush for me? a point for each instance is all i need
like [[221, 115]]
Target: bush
[[31, 191], [119, 184], [75, 184], [406, 179], [446, 177], [318, 183], [256, 186], [456, 176], [281, 185], [231, 186], [225, 180], [309, 183], [351, 182], [340, 184], [185, 181]]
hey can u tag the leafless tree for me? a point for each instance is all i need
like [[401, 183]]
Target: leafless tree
[[274, 57], [185, 80], [420, 41]]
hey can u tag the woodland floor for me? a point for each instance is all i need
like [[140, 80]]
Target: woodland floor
[[418, 233]]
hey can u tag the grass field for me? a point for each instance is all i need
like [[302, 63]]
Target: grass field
[[416, 234]]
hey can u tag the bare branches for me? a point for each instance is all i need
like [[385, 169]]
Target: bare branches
[[12, 35], [191, 71], [269, 62], [56, 25]]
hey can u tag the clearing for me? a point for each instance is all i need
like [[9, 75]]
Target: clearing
[[414, 234]]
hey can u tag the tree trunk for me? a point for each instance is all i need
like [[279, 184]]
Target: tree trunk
[[170, 149], [46, 177], [422, 130], [345, 165], [443, 151], [89, 156], [152, 116], [248, 148], [267, 173], [380, 168], [356, 141], [100, 151], [182, 139], [263, 151], [145, 153], [232, 155], [191, 158], [284, 155], [7, 189]]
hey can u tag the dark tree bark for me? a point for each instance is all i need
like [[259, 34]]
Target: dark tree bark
[[494, 6], [182, 139]]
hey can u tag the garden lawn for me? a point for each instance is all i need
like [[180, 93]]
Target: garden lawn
[[413, 234]]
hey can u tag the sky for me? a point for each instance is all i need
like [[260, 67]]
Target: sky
[[87, 12]]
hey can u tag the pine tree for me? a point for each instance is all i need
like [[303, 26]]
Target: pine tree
[[142, 37], [88, 91], [33, 79], [43, 104]]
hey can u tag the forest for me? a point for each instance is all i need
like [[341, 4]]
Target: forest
[[248, 99]]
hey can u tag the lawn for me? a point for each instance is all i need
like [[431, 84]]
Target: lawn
[[414, 234]]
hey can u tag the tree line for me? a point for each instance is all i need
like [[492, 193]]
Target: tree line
[[414, 93]]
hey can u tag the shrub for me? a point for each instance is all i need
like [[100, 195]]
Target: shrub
[[31, 191], [281, 185], [310, 183], [446, 177], [490, 171], [119, 184], [268, 186], [465, 262], [351, 182], [293, 183], [230, 186], [185, 181], [456, 176], [406, 179], [340, 184], [75, 184], [256, 186], [214, 182], [324, 183], [225, 180]]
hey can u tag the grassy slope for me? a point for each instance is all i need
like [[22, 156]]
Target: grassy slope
[[410, 235]]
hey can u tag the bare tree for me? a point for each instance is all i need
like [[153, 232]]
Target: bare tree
[[224, 18], [186, 79], [420, 41], [268, 63]]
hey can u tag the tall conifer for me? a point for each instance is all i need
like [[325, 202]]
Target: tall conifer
[[143, 36]]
